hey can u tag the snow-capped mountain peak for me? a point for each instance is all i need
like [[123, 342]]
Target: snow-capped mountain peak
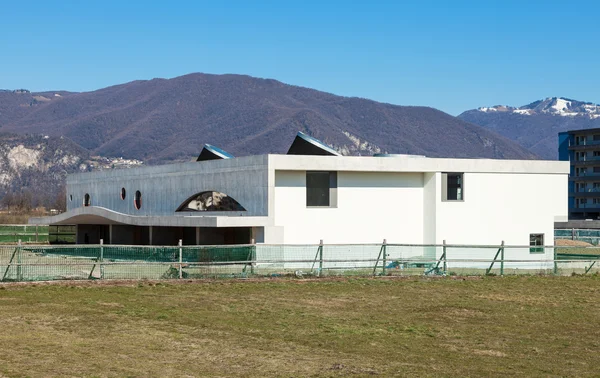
[[559, 106]]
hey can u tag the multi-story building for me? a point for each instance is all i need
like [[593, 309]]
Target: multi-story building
[[582, 149]]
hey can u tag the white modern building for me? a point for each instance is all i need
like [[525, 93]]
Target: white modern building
[[303, 198]]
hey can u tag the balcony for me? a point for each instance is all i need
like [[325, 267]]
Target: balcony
[[587, 142], [585, 147], [586, 178], [587, 158], [588, 206], [588, 190]]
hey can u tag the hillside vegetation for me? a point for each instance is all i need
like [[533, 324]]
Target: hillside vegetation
[[165, 120]]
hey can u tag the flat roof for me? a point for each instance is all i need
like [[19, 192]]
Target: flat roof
[[407, 163], [400, 163], [582, 131]]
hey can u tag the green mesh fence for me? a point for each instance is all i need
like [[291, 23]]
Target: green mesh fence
[[88, 262], [586, 235], [25, 233]]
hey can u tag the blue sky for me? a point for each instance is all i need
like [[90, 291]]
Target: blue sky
[[451, 55]]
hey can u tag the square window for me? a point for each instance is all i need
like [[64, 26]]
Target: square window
[[536, 240], [321, 189], [453, 187]]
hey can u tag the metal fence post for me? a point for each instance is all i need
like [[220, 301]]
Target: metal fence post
[[573, 234], [445, 257], [19, 261], [502, 258], [555, 263], [320, 257], [384, 246], [100, 258], [180, 259]]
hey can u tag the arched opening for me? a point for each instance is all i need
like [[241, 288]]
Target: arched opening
[[123, 193], [210, 201], [137, 200], [87, 200]]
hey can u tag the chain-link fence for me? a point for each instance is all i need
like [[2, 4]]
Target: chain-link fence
[[76, 262], [591, 236]]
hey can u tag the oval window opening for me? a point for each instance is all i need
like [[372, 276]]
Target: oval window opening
[[86, 200], [137, 201], [123, 193], [70, 197]]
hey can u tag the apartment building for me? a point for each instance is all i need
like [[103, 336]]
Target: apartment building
[[582, 149]]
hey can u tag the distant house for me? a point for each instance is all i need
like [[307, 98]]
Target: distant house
[[314, 194]]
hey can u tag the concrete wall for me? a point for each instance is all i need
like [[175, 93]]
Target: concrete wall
[[500, 207], [407, 208], [166, 187], [371, 207]]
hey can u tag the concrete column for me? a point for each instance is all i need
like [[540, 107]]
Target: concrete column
[[150, 235], [110, 234], [197, 235]]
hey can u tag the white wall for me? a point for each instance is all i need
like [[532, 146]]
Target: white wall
[[502, 207], [371, 206]]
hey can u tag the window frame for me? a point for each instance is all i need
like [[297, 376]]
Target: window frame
[[137, 200], [534, 247], [332, 190], [445, 186]]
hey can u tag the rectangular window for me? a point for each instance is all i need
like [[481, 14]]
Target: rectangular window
[[536, 240], [453, 187], [321, 189], [596, 137]]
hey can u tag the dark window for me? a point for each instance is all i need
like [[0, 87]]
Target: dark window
[[123, 193], [137, 201], [86, 200], [596, 137], [319, 187], [536, 240], [70, 197], [452, 187], [210, 201]]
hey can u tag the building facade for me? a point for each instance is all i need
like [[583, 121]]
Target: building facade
[[582, 149], [303, 199]]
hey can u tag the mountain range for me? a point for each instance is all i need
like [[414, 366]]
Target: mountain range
[[163, 120], [536, 126]]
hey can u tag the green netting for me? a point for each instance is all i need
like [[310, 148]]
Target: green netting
[[44, 262], [587, 235]]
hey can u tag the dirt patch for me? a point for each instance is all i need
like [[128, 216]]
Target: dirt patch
[[571, 243], [491, 353]]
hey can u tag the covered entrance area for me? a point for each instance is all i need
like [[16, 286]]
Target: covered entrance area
[[120, 234], [93, 224]]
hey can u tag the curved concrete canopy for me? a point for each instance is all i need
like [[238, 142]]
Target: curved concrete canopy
[[101, 215]]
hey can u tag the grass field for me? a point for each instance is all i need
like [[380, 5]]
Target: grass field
[[491, 326]]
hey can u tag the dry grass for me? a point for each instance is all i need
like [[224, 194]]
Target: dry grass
[[530, 326]]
